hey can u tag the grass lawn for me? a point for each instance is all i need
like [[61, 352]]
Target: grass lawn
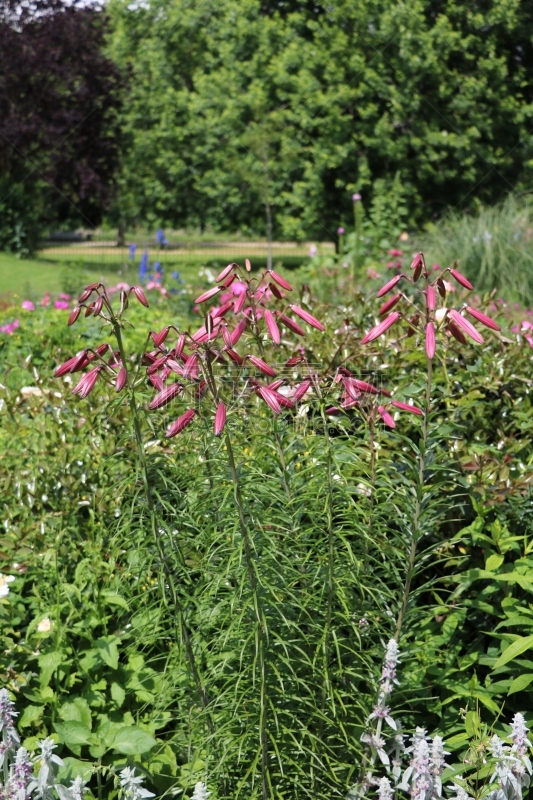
[[67, 268]]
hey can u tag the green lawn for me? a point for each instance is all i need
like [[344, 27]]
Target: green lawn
[[68, 268]]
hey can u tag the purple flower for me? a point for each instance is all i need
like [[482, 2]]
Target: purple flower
[[356, 197], [340, 231], [133, 248], [27, 305], [61, 305]]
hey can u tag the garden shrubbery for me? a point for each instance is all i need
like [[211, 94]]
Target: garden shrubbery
[[212, 609]]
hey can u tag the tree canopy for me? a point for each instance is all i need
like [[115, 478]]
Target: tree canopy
[[59, 110], [236, 103]]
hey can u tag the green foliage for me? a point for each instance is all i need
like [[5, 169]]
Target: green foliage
[[493, 247], [236, 102], [109, 675]]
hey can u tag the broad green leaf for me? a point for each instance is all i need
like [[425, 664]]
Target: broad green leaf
[[520, 683], [118, 694], [108, 650], [30, 715], [74, 768], [494, 562], [48, 663], [133, 741], [73, 732], [77, 711], [114, 599], [514, 650]]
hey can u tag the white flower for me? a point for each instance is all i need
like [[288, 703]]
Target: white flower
[[132, 785], [44, 625], [200, 792], [460, 793], [385, 789], [4, 580]]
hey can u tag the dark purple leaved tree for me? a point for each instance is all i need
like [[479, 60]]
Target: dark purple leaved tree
[[60, 99]]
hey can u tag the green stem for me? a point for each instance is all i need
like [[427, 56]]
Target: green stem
[[415, 535], [169, 578], [261, 629], [331, 562]]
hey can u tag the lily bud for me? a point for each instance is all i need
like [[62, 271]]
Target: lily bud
[[417, 266], [191, 368], [234, 356], [74, 315], [307, 317], [89, 310], [159, 338], [388, 305], [87, 382], [431, 298], [181, 423], [272, 326], [292, 362], [121, 379], [225, 272], [386, 417], [456, 333], [98, 306], [441, 287], [247, 265], [220, 419], [275, 291], [430, 340], [389, 285], [238, 331], [380, 329], [407, 407], [280, 281], [207, 295], [487, 321], [240, 302], [223, 310], [140, 295], [292, 325], [165, 395], [461, 279], [262, 366], [301, 390], [270, 398], [465, 326], [65, 368]]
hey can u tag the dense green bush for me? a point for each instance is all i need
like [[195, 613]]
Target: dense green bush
[[93, 640], [242, 107]]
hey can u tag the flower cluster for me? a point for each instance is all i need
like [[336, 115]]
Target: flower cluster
[[428, 319], [131, 785], [356, 394], [243, 309]]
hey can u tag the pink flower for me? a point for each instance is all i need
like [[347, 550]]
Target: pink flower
[[313, 250], [395, 252], [27, 305], [61, 305], [238, 287], [356, 196], [10, 328], [46, 299], [64, 296], [340, 231]]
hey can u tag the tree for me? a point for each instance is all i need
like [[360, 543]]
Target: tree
[[350, 93], [60, 100]]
